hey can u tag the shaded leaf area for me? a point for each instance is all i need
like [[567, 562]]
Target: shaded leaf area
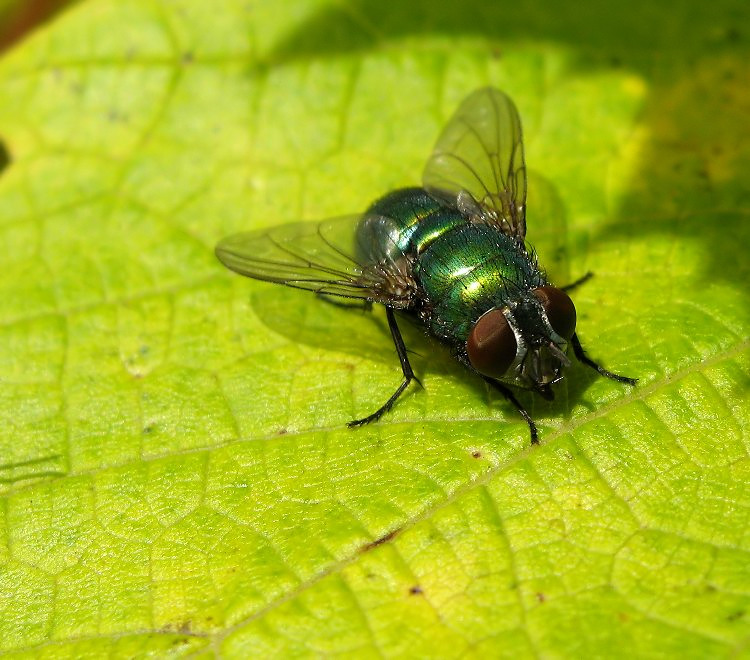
[[4, 157], [176, 473]]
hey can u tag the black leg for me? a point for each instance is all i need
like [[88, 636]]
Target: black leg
[[508, 394], [331, 299], [582, 357], [405, 367], [578, 282]]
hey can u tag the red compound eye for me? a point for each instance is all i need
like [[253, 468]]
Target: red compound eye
[[560, 309], [491, 345]]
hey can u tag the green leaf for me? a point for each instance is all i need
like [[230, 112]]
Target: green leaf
[[177, 476]]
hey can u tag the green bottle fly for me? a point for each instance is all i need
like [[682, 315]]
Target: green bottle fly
[[451, 255]]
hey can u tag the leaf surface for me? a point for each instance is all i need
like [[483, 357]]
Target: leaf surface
[[176, 472]]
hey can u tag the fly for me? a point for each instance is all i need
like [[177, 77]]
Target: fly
[[451, 255]]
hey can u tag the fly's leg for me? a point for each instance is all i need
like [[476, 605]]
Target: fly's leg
[[578, 282], [364, 305], [582, 357], [405, 367], [508, 394]]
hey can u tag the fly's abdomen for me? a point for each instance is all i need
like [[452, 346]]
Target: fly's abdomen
[[467, 271]]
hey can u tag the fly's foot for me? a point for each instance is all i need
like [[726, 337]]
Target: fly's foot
[[585, 359], [578, 282], [365, 420]]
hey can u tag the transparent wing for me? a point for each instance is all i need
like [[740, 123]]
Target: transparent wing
[[480, 152], [330, 258]]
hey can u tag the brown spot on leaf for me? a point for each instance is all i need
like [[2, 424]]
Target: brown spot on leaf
[[541, 598], [476, 454], [383, 539], [416, 590]]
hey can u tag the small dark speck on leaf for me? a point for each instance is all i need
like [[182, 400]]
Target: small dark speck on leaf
[[4, 156], [560, 255], [115, 116], [416, 590], [282, 432], [476, 454], [541, 597], [383, 539], [736, 615], [147, 429], [733, 35]]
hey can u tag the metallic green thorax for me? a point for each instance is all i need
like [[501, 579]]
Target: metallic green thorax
[[464, 268]]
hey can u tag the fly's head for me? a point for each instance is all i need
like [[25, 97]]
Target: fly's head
[[525, 343]]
